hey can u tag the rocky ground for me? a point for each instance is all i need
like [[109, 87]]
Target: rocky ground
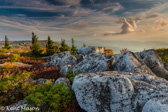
[[129, 82]]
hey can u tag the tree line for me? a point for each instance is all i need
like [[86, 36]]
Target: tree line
[[36, 49]]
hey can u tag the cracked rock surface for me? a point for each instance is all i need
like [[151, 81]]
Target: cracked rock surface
[[119, 91]]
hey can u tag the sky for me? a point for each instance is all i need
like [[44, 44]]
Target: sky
[[116, 24]]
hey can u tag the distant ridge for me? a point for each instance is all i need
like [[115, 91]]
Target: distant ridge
[[27, 43]]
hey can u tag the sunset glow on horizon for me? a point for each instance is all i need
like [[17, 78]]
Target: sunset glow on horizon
[[116, 24]]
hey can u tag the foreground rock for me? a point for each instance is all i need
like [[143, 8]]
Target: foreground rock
[[91, 63], [129, 62], [156, 105], [153, 61], [63, 80], [119, 92]]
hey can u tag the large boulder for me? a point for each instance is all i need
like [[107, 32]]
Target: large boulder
[[86, 50], [156, 105], [119, 92], [54, 60], [68, 60], [153, 61], [103, 92], [91, 63], [146, 87], [130, 62]]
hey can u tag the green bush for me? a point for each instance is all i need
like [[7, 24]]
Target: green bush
[[71, 76], [14, 57], [163, 53], [50, 98], [13, 89], [2, 56]]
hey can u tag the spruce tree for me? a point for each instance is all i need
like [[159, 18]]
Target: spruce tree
[[50, 47], [73, 48], [7, 44], [35, 48], [64, 46]]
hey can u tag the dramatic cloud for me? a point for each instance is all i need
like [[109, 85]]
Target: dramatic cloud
[[161, 22], [130, 24]]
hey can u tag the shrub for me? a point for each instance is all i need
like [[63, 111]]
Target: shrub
[[13, 89], [14, 57], [122, 51], [50, 98], [50, 72], [2, 56], [8, 66], [71, 76], [163, 53]]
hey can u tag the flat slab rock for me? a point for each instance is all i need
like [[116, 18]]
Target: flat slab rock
[[119, 91]]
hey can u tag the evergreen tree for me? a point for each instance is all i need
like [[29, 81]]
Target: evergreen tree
[[35, 48], [50, 47], [7, 44], [64, 46], [73, 48]]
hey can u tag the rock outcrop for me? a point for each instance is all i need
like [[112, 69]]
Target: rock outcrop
[[65, 69], [62, 79], [54, 60], [156, 105], [153, 61], [91, 63], [86, 50], [130, 62], [119, 92], [68, 60]]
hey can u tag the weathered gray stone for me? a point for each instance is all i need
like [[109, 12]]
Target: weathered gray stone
[[156, 105], [118, 92], [153, 61], [79, 57], [103, 92], [91, 63], [68, 60], [86, 50], [62, 79], [54, 60], [65, 69], [129, 62]]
